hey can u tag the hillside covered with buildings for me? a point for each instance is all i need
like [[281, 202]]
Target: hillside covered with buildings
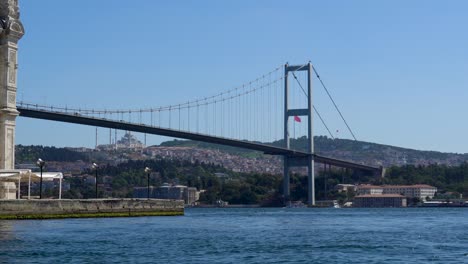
[[236, 175], [352, 150]]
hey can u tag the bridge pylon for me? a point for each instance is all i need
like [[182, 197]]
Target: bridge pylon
[[299, 161]]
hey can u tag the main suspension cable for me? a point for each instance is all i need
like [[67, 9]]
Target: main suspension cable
[[333, 101]]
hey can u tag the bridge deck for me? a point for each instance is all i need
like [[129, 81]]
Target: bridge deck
[[142, 128]]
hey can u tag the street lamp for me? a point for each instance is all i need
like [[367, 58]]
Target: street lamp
[[95, 168], [148, 171], [41, 164]]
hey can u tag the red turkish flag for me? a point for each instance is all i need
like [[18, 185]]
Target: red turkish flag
[[297, 119]]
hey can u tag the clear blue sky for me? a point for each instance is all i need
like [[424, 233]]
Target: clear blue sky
[[397, 69]]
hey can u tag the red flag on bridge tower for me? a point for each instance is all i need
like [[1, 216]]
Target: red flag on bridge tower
[[297, 119]]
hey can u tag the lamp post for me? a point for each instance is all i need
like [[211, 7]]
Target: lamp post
[[95, 168], [148, 171], [41, 164]]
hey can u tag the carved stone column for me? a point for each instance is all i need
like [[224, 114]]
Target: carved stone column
[[11, 31]]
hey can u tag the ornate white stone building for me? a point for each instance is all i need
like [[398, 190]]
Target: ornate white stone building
[[128, 141], [11, 31]]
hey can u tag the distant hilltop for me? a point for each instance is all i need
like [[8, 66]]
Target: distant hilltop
[[351, 150]]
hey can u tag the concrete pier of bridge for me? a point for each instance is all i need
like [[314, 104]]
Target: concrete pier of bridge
[[309, 159]]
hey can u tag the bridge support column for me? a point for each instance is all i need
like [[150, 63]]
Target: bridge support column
[[308, 112], [311, 181], [11, 31]]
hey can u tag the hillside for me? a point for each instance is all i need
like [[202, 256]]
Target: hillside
[[29, 154], [357, 151], [184, 161]]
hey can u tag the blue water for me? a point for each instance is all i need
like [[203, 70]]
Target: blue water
[[412, 235]]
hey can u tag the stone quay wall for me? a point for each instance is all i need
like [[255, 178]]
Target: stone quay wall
[[65, 208]]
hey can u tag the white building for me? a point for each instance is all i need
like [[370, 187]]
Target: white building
[[128, 141], [369, 189], [421, 191]]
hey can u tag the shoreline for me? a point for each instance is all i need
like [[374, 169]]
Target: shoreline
[[88, 208]]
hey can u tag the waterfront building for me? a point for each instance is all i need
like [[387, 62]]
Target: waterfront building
[[369, 189], [166, 191], [380, 200], [420, 191], [10, 182]]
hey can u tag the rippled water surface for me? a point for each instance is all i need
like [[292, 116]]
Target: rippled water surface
[[245, 236]]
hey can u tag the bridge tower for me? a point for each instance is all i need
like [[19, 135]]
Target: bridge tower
[[11, 31], [305, 161]]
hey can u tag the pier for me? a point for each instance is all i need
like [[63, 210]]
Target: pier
[[81, 208]]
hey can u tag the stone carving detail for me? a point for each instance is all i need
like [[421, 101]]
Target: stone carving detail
[[13, 8], [11, 98], [9, 147], [9, 8], [9, 20], [12, 67]]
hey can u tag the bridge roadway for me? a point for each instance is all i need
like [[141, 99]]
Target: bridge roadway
[[76, 118]]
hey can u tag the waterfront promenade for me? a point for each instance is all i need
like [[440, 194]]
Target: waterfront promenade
[[79, 208]]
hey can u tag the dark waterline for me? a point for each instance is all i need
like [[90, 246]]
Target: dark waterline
[[255, 235]]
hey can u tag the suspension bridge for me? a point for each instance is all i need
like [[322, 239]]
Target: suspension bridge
[[262, 114]]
